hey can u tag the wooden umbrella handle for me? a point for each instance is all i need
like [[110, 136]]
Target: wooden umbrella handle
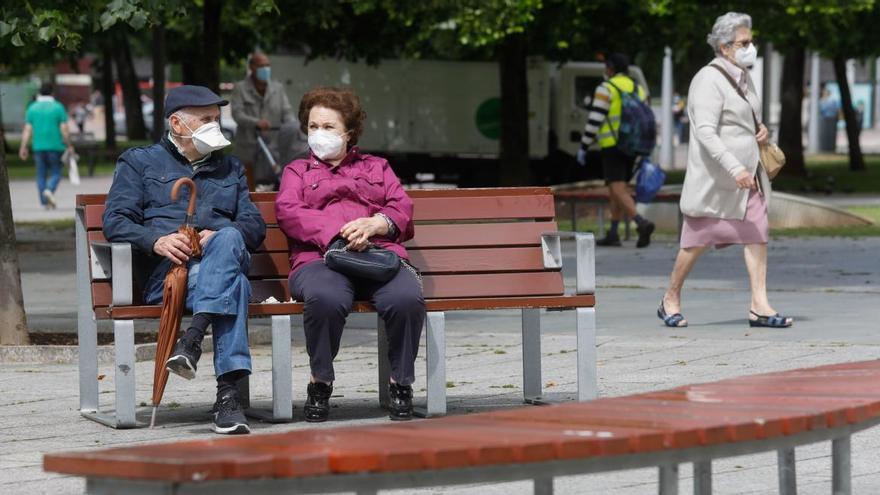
[[185, 181]]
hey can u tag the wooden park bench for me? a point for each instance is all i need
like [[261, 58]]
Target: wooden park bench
[[690, 424], [479, 249], [598, 198]]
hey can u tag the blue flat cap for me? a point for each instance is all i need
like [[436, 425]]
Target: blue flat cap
[[190, 96]]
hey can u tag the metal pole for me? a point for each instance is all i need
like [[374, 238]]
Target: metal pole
[[787, 474], [666, 151], [703, 477], [815, 83], [668, 482], [841, 476]]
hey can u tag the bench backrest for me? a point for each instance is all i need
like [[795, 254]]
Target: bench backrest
[[469, 243]]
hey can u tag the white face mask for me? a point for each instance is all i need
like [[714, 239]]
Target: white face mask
[[746, 57], [207, 137], [326, 145]]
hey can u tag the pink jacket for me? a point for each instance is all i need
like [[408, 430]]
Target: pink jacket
[[315, 201]]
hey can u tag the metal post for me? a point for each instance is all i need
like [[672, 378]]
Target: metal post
[[282, 369], [123, 336], [574, 218], [787, 473], [435, 350], [703, 477], [531, 355], [543, 486], [666, 151], [668, 484], [384, 363], [588, 381], [841, 477], [815, 83], [87, 329]]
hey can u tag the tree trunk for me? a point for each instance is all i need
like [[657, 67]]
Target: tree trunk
[[158, 80], [13, 322], [856, 160], [108, 90], [135, 128], [790, 127], [211, 46], [514, 168]]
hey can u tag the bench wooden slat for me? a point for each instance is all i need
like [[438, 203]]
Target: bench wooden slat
[[437, 261], [275, 240], [479, 235], [462, 304], [483, 208], [637, 424]]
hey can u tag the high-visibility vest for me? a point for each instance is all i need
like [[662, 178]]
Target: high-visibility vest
[[611, 125]]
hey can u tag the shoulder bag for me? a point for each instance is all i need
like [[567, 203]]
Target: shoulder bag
[[771, 156], [373, 263]]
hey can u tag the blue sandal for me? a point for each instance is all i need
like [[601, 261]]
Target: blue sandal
[[771, 321], [672, 320]]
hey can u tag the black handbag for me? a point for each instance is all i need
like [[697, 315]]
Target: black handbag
[[373, 263]]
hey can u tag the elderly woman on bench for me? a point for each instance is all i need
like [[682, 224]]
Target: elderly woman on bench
[[340, 195]]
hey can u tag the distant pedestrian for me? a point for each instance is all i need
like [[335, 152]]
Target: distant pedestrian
[[603, 125], [259, 107], [829, 114], [726, 190], [46, 124]]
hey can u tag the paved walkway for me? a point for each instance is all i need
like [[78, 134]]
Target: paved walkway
[[831, 287]]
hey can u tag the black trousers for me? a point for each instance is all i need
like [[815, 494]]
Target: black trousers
[[328, 297]]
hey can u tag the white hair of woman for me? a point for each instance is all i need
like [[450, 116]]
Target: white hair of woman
[[724, 31]]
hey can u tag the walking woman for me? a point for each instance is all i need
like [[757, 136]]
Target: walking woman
[[726, 190]]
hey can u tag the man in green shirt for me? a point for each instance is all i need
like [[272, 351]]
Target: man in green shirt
[[46, 123]]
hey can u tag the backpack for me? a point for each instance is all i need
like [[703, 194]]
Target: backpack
[[637, 134]]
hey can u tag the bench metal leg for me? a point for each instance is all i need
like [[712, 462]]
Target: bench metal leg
[[435, 355], [588, 381], [531, 355], [384, 364], [87, 328], [282, 375], [787, 474], [668, 483], [841, 476], [123, 417], [543, 486], [703, 478], [282, 369]]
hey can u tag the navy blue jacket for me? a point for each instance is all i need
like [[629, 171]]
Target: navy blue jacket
[[139, 209]]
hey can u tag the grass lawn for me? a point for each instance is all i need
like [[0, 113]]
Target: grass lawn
[[827, 173]]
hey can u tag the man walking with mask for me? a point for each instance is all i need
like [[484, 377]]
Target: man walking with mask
[[259, 107], [139, 210]]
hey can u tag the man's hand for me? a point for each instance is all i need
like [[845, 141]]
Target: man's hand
[[358, 232], [745, 180], [763, 135], [204, 236], [174, 246], [264, 124], [23, 153]]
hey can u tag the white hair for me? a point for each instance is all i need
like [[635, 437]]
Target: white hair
[[724, 30]]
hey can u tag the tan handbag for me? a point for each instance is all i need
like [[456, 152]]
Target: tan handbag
[[772, 159], [771, 156]]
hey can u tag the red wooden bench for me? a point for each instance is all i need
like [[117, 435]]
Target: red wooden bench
[[478, 249], [598, 198], [694, 423]]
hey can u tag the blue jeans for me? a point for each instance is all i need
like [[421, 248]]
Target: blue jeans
[[48, 172], [217, 284]]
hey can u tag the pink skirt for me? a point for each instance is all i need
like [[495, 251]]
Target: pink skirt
[[721, 232]]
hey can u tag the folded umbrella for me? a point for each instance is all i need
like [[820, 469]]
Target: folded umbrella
[[173, 298]]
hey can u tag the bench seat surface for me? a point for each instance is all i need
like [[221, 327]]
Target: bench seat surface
[[742, 409]]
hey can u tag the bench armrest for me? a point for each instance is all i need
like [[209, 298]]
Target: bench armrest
[[585, 257], [113, 260]]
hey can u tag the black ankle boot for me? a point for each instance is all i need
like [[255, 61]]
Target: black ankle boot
[[401, 407], [317, 406]]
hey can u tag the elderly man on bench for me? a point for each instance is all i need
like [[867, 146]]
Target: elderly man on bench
[[139, 210]]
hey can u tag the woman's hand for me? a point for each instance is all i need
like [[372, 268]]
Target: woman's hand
[[745, 180], [763, 135], [358, 232]]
